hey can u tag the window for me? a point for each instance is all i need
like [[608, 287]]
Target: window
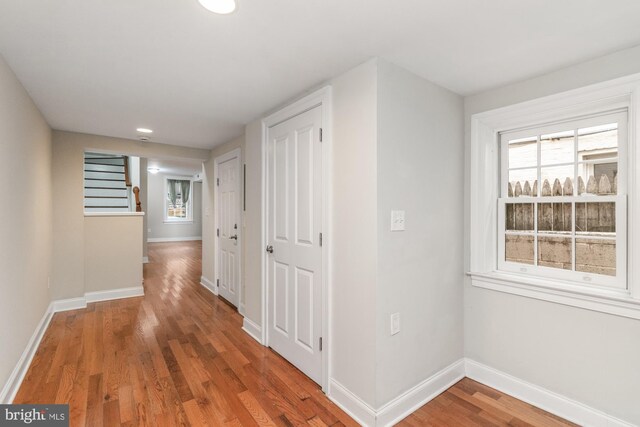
[[178, 203], [554, 198], [562, 210]]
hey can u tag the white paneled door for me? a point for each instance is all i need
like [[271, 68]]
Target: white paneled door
[[228, 195], [294, 218]]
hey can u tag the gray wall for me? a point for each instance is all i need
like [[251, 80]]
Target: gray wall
[[420, 170], [25, 231], [156, 227], [588, 356]]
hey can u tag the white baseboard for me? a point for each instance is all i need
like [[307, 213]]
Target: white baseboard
[[145, 260], [69, 304], [12, 385], [136, 291], [356, 408], [542, 398], [251, 328], [172, 239], [14, 381], [400, 407], [408, 402], [209, 285]]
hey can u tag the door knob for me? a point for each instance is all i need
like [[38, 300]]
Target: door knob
[[270, 249], [234, 237]]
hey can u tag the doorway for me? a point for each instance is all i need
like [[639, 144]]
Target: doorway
[[295, 275], [228, 226]]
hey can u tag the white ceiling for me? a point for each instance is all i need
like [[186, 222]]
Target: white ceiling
[[109, 66], [184, 167]]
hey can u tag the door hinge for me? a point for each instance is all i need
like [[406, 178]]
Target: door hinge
[[320, 343], [320, 134], [218, 182], [320, 239], [217, 232], [218, 282]]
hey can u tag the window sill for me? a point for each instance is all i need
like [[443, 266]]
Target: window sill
[[619, 303], [178, 221]]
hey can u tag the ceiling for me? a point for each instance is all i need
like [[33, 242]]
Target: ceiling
[[109, 66], [184, 167]]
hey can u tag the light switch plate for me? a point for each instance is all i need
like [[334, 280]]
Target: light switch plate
[[395, 323], [397, 220]]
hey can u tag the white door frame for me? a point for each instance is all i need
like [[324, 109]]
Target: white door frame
[[322, 98], [236, 152]]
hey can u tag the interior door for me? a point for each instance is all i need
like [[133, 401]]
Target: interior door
[[228, 181], [294, 179]]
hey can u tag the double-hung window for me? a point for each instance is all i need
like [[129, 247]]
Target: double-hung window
[[562, 210], [554, 198], [178, 201]]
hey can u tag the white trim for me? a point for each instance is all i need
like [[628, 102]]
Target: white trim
[[542, 398], [485, 184], [236, 152], [241, 309], [113, 294], [173, 239], [610, 302], [356, 408], [145, 259], [251, 328], [322, 98], [69, 304], [403, 405], [189, 218], [113, 213], [16, 377], [409, 401], [209, 285]]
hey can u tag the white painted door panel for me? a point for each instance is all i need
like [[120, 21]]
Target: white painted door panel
[[294, 218], [229, 226]]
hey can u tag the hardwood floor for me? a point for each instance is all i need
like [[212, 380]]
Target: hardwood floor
[[178, 356], [469, 403]]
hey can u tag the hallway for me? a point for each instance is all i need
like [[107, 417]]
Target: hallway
[[178, 356]]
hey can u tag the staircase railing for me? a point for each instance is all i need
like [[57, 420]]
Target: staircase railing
[[136, 192]]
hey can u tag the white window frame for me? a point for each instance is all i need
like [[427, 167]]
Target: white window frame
[[167, 218], [485, 186], [587, 279]]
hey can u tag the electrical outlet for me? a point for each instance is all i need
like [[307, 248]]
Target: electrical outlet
[[395, 323], [397, 220]]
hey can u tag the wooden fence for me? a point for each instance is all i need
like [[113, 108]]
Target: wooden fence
[[592, 217]]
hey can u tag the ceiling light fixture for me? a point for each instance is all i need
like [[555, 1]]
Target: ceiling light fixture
[[221, 7], [153, 170], [144, 130]]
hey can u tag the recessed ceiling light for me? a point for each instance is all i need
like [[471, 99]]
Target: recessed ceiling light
[[153, 170], [219, 6], [144, 130]]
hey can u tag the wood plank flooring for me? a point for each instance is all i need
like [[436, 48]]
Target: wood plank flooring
[[469, 403], [178, 357]]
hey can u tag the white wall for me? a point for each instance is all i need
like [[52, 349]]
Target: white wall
[[419, 170], [112, 252], [354, 237], [588, 356], [25, 229], [156, 226]]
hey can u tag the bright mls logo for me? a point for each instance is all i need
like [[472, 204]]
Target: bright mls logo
[[35, 415]]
